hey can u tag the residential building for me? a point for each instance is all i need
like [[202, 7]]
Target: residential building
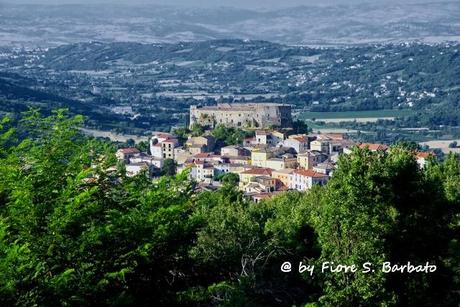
[[125, 154], [321, 146], [374, 147], [247, 175], [298, 142], [310, 158], [202, 171], [234, 151], [304, 179], [326, 168], [162, 145], [422, 157], [206, 142], [283, 175]]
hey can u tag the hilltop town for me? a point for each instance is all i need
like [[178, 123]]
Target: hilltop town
[[272, 159]]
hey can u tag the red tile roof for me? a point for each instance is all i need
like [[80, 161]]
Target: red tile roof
[[258, 171], [163, 135], [309, 173], [300, 138], [423, 155], [130, 150], [374, 147]]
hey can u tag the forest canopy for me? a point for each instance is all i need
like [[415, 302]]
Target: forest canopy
[[75, 230]]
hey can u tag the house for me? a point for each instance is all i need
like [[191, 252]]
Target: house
[[298, 142], [196, 149], [259, 184], [247, 175], [234, 151], [206, 143], [150, 160], [263, 137], [243, 160], [422, 157], [124, 154], [181, 155], [224, 168], [134, 169], [277, 137], [326, 168], [202, 172], [167, 147], [260, 156], [321, 146], [208, 157], [304, 179], [283, 175], [374, 147], [162, 145], [310, 158]]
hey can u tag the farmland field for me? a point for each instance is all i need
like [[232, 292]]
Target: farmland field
[[347, 116]]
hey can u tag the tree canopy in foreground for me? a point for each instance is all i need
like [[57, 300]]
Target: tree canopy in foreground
[[75, 230]]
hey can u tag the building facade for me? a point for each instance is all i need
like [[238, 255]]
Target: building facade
[[242, 115]]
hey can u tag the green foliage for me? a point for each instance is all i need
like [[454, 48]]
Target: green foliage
[[74, 230], [169, 167], [197, 130], [229, 136], [229, 178], [300, 127]]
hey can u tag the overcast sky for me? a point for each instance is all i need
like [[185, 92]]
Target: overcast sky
[[214, 3]]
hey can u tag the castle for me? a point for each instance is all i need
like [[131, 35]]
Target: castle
[[242, 115]]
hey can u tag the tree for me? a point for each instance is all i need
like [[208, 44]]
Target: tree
[[352, 220], [197, 130], [230, 179], [300, 127], [169, 167]]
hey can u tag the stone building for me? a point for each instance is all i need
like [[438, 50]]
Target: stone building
[[242, 115]]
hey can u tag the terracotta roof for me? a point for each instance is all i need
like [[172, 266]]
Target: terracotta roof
[[308, 173], [300, 138], [423, 155], [258, 171], [130, 150], [170, 140], [374, 147]]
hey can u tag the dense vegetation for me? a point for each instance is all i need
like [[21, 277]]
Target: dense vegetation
[[75, 231]]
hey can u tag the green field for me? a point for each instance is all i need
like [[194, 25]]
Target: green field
[[356, 114]]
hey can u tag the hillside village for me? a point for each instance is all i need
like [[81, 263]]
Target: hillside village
[[271, 161]]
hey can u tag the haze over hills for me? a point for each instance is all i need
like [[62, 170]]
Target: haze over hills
[[45, 26]]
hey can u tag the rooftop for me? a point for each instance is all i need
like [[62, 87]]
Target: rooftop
[[309, 173], [240, 106], [374, 147], [258, 171]]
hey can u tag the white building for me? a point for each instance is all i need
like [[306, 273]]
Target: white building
[[298, 142], [162, 145], [303, 180]]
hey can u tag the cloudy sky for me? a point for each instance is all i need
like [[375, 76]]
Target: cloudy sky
[[213, 3]]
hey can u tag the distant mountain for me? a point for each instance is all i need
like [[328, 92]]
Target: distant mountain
[[34, 25]]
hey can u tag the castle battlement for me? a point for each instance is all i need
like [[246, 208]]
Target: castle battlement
[[242, 115]]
